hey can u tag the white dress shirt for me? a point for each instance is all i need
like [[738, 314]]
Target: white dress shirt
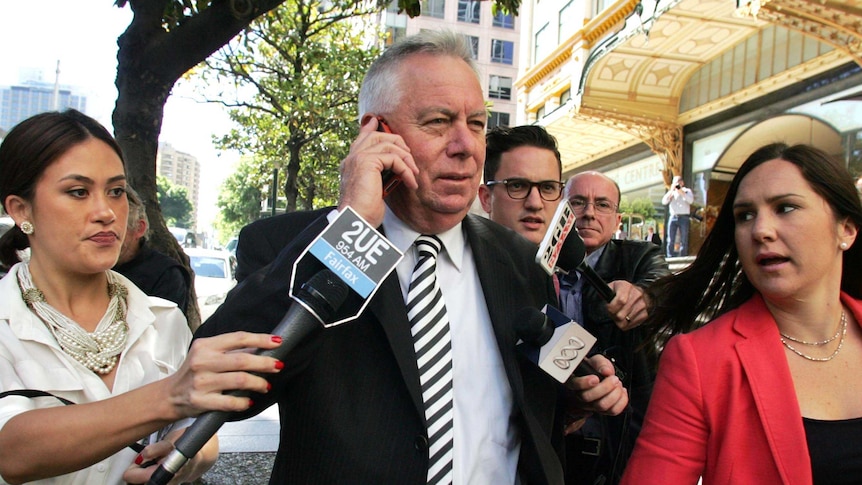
[[678, 201], [486, 443], [30, 358]]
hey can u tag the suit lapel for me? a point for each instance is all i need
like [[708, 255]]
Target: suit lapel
[[766, 368], [389, 309]]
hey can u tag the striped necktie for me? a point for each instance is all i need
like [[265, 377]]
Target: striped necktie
[[429, 325]]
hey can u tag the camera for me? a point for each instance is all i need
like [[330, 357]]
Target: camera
[[678, 187]]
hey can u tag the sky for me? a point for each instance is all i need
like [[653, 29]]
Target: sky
[[82, 36]]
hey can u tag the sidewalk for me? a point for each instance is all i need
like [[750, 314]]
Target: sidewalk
[[247, 450]]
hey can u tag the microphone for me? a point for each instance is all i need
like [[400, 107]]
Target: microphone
[[573, 257], [558, 345], [315, 304], [562, 250]]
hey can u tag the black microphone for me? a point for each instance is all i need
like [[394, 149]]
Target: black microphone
[[314, 305], [536, 329], [573, 257]]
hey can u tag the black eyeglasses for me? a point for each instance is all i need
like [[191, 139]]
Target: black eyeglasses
[[601, 206], [549, 190]]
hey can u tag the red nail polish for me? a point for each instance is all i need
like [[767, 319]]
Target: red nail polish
[[268, 387], [279, 365], [139, 459], [276, 339], [250, 403]]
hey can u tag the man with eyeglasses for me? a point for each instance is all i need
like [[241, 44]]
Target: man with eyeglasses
[[601, 448], [522, 179]]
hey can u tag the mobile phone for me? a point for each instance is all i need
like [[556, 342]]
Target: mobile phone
[[390, 180]]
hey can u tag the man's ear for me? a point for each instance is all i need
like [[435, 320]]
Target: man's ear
[[485, 198], [140, 229]]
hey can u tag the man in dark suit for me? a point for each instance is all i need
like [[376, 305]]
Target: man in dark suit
[[155, 273], [351, 406], [600, 449]]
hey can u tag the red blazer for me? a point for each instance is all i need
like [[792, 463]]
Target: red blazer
[[724, 407]]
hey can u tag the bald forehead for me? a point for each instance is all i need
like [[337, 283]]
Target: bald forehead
[[592, 184]]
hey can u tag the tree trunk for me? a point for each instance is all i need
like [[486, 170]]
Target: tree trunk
[[150, 61]]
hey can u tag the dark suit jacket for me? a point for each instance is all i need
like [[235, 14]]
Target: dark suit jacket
[[158, 274], [349, 397], [639, 263]]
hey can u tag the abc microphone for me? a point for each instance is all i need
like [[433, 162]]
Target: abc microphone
[[315, 304], [557, 344]]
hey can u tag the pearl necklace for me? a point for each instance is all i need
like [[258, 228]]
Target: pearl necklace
[[842, 329], [98, 351]]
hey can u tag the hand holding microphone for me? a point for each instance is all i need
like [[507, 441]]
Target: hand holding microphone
[[560, 349], [314, 305]]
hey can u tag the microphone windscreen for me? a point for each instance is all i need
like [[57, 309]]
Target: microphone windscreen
[[533, 327], [572, 253]]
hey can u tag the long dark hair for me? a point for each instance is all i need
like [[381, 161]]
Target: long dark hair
[[28, 150], [715, 283]]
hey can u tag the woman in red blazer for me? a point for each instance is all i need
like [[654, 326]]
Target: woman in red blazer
[[765, 393]]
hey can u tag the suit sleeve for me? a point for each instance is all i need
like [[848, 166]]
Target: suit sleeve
[[672, 445], [650, 267]]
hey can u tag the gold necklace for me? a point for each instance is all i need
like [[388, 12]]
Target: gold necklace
[[842, 329]]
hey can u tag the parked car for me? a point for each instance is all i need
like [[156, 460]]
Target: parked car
[[214, 276], [231, 245]]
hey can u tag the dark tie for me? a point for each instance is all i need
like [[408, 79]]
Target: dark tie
[[429, 325]]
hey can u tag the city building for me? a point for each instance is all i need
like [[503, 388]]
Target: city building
[[181, 169], [493, 37], [645, 90], [31, 97]]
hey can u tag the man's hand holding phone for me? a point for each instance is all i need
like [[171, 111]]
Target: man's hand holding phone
[[375, 155], [390, 180]]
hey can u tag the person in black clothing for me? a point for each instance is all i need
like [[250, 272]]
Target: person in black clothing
[[598, 452], [155, 273], [652, 237]]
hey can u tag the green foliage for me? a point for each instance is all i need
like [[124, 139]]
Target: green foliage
[[641, 206], [239, 198], [175, 204], [297, 72]]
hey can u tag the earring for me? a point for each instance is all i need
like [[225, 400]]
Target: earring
[[843, 246], [27, 227]]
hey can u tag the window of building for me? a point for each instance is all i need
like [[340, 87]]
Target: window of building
[[468, 11], [504, 20], [396, 24], [543, 44], [500, 87], [600, 5], [565, 96], [473, 42], [502, 51], [434, 8], [496, 118], [540, 113], [567, 22]]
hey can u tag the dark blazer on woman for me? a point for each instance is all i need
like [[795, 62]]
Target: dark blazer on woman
[[349, 397]]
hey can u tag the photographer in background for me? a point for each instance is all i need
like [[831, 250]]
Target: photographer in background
[[678, 199]]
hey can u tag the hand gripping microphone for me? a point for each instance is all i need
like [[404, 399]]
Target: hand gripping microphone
[[562, 344], [314, 304]]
